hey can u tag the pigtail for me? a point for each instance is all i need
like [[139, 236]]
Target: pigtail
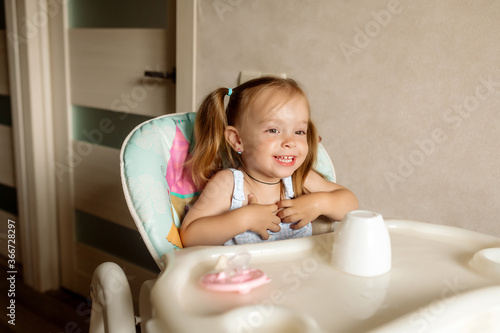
[[210, 147]]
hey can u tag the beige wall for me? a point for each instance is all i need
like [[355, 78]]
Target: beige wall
[[406, 94]]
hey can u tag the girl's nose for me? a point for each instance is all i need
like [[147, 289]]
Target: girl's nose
[[289, 141]]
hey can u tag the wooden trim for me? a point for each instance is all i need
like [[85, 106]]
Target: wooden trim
[[185, 96], [30, 88]]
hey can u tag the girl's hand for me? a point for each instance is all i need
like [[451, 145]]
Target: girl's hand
[[302, 210], [261, 218]]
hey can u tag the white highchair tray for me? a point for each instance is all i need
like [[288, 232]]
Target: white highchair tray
[[437, 283]]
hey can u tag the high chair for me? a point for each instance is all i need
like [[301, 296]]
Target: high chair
[[157, 191], [304, 290]]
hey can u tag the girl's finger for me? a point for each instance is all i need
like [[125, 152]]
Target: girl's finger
[[298, 225], [290, 219], [264, 235], [284, 203], [275, 228]]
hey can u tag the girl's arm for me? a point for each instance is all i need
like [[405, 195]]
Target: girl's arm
[[324, 198], [209, 222]]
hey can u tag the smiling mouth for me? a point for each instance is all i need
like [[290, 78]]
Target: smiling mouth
[[285, 160]]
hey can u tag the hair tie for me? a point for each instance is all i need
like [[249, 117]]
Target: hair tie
[[230, 92]]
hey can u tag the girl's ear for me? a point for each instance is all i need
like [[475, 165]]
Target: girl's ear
[[233, 138]]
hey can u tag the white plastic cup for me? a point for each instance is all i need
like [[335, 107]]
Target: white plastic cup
[[362, 245]]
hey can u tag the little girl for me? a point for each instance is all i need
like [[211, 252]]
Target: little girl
[[253, 160]]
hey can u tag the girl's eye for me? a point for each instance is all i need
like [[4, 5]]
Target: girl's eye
[[300, 132], [272, 130]]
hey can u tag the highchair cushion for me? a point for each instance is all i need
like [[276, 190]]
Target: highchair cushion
[[156, 185], [324, 164], [157, 188]]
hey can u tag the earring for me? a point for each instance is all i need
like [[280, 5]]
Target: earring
[[240, 151]]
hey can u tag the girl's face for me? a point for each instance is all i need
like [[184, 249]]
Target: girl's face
[[273, 136]]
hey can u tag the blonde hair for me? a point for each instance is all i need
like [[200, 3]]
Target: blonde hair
[[212, 153]]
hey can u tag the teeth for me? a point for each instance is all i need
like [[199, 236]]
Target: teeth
[[285, 159]]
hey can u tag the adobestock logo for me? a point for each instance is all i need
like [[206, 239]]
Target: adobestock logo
[[453, 117], [30, 26], [292, 279], [127, 103], [371, 30], [223, 6], [425, 316]]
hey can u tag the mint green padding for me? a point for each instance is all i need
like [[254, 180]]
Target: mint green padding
[[144, 158], [324, 164]]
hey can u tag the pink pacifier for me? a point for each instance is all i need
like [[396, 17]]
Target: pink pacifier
[[233, 274]]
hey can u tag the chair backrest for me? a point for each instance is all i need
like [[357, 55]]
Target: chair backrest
[[157, 189]]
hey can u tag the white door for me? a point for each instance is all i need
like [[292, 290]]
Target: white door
[[110, 47]]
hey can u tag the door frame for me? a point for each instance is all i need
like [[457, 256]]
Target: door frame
[[37, 43], [33, 137], [185, 95]]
